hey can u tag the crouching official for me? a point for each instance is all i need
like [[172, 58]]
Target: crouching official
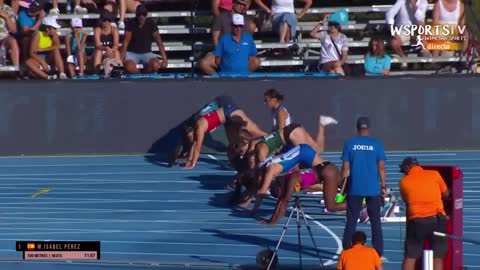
[[423, 190]]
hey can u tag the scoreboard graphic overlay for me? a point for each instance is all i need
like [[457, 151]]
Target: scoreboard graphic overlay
[[59, 250]]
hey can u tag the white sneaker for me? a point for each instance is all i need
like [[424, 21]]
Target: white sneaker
[[121, 25], [63, 76], [80, 10], [327, 120], [54, 12]]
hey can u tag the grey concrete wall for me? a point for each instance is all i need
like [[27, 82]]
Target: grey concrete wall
[[129, 116]]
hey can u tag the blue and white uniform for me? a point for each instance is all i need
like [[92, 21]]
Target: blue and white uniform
[[302, 154]]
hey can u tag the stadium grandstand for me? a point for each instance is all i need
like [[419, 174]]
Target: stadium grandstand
[[185, 28]]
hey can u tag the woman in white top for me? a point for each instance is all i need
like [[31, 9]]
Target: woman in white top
[[449, 12], [284, 19], [274, 101], [405, 12], [334, 46]]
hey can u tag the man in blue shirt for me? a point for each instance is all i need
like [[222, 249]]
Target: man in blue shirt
[[236, 51], [364, 161]]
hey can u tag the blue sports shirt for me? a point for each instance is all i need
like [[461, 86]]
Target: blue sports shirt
[[235, 54], [363, 154]]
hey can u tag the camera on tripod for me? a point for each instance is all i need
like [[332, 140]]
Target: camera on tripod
[[268, 259]]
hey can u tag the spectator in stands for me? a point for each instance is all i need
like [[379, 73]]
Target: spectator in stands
[[236, 51], [137, 44], [449, 12], [29, 21], [75, 46], [121, 7], [223, 11], [284, 19], [19, 5], [334, 44], [223, 25], [405, 13], [106, 38], [45, 47], [8, 26], [359, 256], [376, 62]]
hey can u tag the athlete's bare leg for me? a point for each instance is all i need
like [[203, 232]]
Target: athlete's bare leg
[[320, 139], [252, 128]]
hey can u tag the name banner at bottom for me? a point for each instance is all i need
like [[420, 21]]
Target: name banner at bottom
[[60, 255]]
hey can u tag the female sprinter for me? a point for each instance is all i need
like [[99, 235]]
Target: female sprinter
[[186, 128], [281, 118], [290, 135], [210, 121], [326, 173]]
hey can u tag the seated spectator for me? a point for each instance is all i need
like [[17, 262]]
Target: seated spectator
[[121, 7], [106, 39], [75, 46], [376, 62], [334, 44], [449, 12], [19, 5], [45, 47], [359, 255], [223, 10], [236, 51], [29, 21], [137, 44], [405, 13], [223, 25], [284, 19], [114, 6], [8, 26]]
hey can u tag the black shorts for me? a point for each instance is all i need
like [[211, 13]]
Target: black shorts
[[319, 171], [288, 130], [421, 229]]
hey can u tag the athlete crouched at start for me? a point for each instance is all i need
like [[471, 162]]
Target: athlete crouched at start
[[214, 119], [326, 173]]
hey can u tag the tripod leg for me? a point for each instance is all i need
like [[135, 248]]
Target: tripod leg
[[297, 205], [311, 235], [280, 240]]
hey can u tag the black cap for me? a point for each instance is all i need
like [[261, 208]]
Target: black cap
[[141, 9], [408, 161], [35, 6], [363, 123], [106, 15]]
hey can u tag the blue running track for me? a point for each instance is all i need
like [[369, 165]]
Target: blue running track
[[149, 216]]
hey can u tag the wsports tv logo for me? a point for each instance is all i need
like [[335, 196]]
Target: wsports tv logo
[[433, 37]]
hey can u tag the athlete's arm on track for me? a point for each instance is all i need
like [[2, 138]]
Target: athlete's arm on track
[[271, 172], [196, 148], [282, 202]]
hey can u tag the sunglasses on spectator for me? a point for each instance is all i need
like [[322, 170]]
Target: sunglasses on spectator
[[143, 14], [237, 26], [334, 24]]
